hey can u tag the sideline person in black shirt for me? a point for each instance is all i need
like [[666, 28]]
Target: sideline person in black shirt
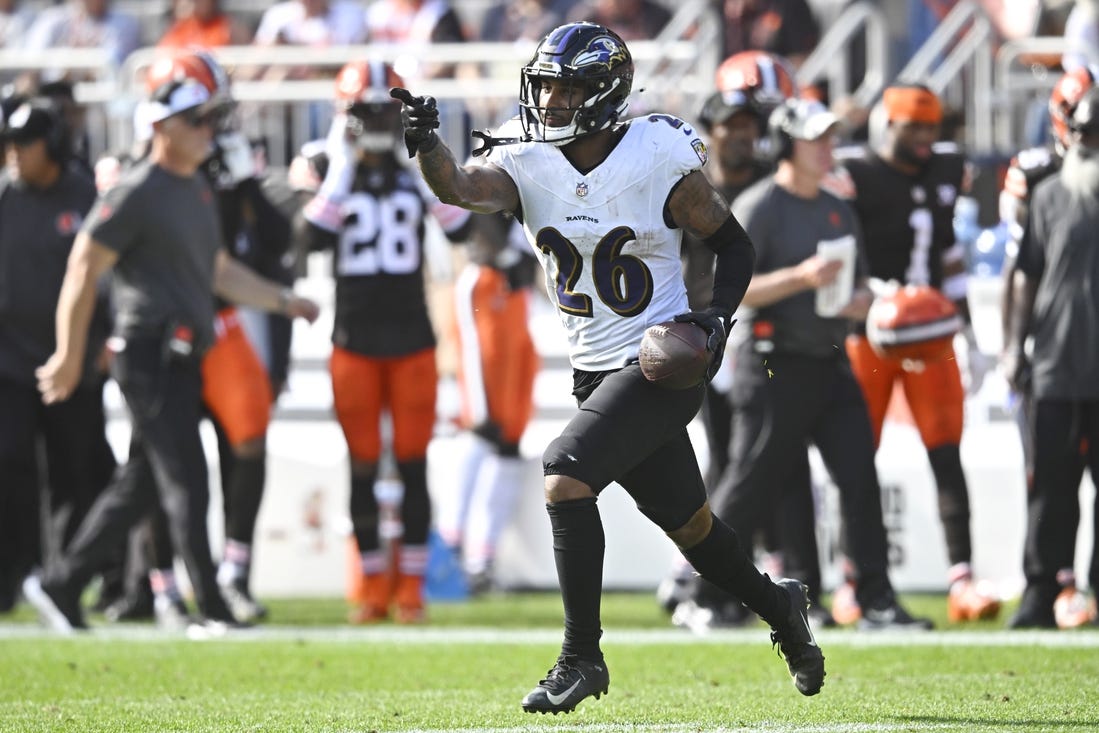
[[158, 231], [43, 200], [793, 383], [1058, 265]]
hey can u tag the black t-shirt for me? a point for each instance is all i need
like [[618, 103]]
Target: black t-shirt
[[37, 228], [166, 232], [1061, 251], [907, 221]]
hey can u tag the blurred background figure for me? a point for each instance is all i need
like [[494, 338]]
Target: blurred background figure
[[784, 27], [792, 385], [497, 365], [311, 23], [1029, 168], [750, 85], [202, 23], [904, 193], [307, 23], [15, 19], [61, 448], [632, 20], [370, 210], [1055, 308], [85, 24], [1081, 35], [523, 20]]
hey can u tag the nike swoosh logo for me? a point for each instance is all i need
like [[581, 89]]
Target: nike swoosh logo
[[558, 699]]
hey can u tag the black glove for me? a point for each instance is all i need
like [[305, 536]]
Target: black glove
[[717, 328], [420, 117]]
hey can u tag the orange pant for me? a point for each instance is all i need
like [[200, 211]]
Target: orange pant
[[498, 362], [935, 394], [363, 386], [235, 387]]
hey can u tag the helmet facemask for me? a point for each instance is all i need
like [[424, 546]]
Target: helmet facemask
[[596, 63], [374, 127]]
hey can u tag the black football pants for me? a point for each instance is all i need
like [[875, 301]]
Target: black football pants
[[166, 464], [780, 407]]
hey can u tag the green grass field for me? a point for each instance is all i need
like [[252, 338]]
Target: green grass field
[[468, 669]]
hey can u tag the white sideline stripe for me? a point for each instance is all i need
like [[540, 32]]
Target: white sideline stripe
[[625, 637], [689, 728]]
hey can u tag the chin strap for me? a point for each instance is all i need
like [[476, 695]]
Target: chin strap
[[488, 142]]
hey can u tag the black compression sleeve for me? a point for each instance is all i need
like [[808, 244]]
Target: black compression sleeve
[[736, 256]]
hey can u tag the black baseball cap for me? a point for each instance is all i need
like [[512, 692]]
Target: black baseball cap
[[720, 106], [30, 121]]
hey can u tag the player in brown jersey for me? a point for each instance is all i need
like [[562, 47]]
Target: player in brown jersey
[[904, 194], [371, 210]]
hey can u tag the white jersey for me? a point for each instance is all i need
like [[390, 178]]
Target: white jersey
[[611, 261]]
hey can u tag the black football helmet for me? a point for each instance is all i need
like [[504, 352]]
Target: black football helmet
[[584, 54]]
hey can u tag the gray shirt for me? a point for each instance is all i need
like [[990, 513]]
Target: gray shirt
[[37, 228], [1061, 250], [785, 230], [166, 233]]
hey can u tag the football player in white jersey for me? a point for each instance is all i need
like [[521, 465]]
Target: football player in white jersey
[[603, 202]]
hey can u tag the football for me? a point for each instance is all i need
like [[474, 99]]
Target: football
[[673, 355], [912, 322]]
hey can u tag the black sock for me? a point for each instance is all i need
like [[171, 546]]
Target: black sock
[[946, 464], [364, 512], [246, 489], [415, 504], [578, 546], [719, 559]]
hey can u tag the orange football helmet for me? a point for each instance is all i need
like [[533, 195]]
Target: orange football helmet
[[185, 80], [914, 322], [1066, 94], [373, 117], [766, 79]]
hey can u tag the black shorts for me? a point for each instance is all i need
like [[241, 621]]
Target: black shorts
[[633, 432]]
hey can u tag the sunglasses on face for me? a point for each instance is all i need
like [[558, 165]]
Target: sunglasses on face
[[213, 118]]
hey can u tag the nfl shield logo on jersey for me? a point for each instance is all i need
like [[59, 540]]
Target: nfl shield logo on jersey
[[581, 189]]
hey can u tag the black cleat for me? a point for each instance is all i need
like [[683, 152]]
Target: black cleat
[[571, 680], [1035, 609], [58, 609], [795, 641], [892, 617]]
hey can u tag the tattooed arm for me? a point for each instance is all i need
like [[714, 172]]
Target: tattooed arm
[[695, 206], [482, 188]]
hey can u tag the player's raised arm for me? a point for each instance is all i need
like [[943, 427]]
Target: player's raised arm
[[485, 189]]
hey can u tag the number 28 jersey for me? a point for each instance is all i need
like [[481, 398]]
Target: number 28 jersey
[[907, 221], [610, 256], [377, 234]]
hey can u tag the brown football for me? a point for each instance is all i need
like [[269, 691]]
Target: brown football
[[914, 322], [673, 355]]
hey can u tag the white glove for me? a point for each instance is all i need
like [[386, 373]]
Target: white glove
[[342, 159], [236, 156]]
